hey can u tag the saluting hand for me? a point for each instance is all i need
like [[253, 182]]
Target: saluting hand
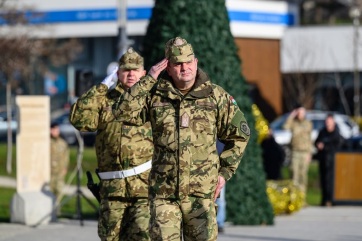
[[158, 68], [111, 79], [294, 113]]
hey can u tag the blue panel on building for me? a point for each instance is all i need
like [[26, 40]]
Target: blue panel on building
[[261, 17], [101, 15]]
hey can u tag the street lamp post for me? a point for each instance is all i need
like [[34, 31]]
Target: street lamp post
[[355, 14], [123, 40]]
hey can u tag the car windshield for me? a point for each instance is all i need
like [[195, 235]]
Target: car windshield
[[318, 124], [348, 122], [63, 119], [4, 115], [317, 119], [278, 123]]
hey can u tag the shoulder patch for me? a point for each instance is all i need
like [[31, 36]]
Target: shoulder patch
[[245, 128]]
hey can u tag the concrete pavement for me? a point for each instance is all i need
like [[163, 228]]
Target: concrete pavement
[[339, 223], [309, 224]]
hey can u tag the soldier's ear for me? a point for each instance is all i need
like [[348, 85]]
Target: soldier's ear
[[168, 68]]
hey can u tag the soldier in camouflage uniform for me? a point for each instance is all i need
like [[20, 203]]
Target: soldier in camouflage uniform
[[301, 146], [59, 160], [123, 151], [187, 113]]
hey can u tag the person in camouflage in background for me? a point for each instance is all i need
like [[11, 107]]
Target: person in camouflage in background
[[123, 152], [59, 161], [187, 113], [301, 146]]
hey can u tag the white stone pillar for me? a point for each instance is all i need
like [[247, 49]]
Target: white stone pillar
[[33, 202]]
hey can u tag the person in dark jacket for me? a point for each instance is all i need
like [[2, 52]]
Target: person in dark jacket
[[273, 157], [328, 142]]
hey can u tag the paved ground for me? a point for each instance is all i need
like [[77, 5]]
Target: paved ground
[[338, 223], [310, 224]]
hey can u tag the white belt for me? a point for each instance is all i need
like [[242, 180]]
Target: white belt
[[126, 173]]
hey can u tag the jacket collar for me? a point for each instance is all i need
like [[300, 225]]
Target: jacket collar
[[116, 92], [202, 87]]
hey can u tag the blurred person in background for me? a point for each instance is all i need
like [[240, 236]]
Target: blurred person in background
[[59, 160], [301, 147], [221, 200], [221, 211], [273, 157], [328, 142]]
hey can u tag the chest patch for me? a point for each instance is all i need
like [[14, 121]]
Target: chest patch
[[160, 104], [185, 120], [107, 108]]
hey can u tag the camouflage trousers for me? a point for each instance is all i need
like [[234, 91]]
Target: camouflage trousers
[[188, 219], [299, 168], [124, 219]]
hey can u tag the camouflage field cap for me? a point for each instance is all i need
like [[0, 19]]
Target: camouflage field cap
[[177, 50], [131, 60]]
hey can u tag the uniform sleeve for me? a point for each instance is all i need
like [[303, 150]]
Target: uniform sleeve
[[84, 113], [234, 132], [133, 107]]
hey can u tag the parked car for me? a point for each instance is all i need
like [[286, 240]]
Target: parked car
[[68, 132], [347, 127], [353, 144], [4, 125]]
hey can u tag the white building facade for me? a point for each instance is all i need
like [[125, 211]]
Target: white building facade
[[96, 23], [332, 55]]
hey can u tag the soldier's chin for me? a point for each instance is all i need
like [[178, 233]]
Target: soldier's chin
[[131, 83], [186, 78]]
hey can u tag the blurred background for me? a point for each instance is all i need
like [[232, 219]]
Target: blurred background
[[293, 52]]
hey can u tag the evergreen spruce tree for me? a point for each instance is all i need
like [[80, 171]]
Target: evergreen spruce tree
[[205, 24]]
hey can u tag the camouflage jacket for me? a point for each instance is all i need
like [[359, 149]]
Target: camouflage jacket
[[185, 129], [301, 134], [118, 146]]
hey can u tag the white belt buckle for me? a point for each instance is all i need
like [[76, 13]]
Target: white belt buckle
[[121, 174]]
